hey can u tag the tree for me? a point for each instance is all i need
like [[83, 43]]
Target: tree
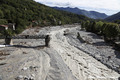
[[111, 31], [87, 25], [82, 24], [23, 12], [93, 27], [3, 21], [99, 27], [1, 14]]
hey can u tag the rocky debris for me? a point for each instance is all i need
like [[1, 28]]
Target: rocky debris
[[25, 68], [82, 65], [96, 47], [20, 77], [80, 38], [24, 52], [33, 68], [33, 75], [2, 64], [27, 78], [66, 32], [2, 58], [61, 61], [3, 53]]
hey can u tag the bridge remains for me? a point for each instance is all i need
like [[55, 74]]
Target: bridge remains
[[9, 39]]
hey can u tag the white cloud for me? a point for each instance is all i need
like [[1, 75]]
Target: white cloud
[[107, 6]]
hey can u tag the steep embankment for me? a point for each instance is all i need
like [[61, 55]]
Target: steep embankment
[[61, 61]]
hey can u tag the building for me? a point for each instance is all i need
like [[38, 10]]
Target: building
[[11, 26], [6, 27], [3, 27]]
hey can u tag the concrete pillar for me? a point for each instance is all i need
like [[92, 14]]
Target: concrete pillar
[[47, 41], [8, 41], [80, 38]]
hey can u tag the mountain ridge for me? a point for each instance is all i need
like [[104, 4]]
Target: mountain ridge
[[113, 17], [90, 14]]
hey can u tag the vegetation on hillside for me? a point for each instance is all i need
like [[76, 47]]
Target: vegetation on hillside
[[117, 21], [26, 13], [110, 31]]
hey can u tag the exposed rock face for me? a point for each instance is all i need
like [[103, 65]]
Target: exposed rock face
[[61, 61]]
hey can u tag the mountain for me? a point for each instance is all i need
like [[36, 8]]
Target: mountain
[[28, 12], [90, 14], [113, 17]]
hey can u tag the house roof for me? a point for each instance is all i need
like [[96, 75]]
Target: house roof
[[3, 25]]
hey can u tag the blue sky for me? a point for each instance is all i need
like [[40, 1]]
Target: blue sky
[[104, 6]]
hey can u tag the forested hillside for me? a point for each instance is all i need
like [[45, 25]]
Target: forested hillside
[[28, 12]]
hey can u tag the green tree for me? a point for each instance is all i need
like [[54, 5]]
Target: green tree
[[99, 27], [87, 25], [1, 14], [111, 31], [3, 21]]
